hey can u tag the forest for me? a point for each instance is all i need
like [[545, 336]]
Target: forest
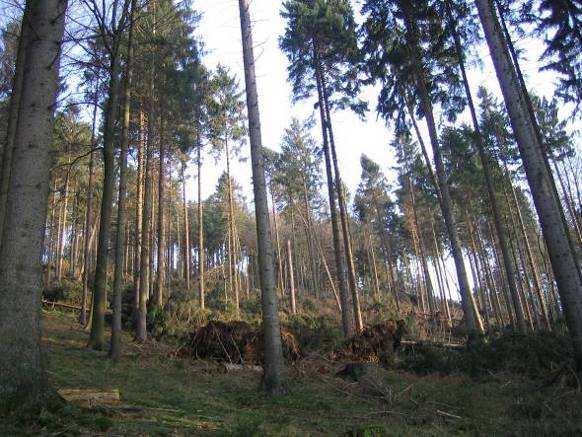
[[441, 294]]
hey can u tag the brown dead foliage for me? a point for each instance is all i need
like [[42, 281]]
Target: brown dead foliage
[[235, 342], [375, 344]]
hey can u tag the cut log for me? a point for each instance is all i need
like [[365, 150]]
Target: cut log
[[229, 367], [89, 398]]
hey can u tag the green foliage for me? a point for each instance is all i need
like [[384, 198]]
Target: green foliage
[[67, 290], [541, 356], [314, 332]]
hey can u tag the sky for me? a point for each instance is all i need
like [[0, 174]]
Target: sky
[[220, 30]]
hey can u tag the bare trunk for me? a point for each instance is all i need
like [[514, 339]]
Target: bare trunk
[[472, 318], [486, 162], [97, 335], [347, 318], [161, 277], [273, 373], [138, 213], [566, 268], [201, 260], [291, 279], [22, 377], [186, 246], [118, 279], [13, 110]]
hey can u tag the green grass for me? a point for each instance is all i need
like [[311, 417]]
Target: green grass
[[166, 395]]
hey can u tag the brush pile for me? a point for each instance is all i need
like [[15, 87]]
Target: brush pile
[[235, 342], [375, 344]]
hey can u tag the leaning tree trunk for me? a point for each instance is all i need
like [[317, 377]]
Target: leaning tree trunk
[[566, 267], [273, 376], [22, 378], [347, 319], [115, 346], [97, 335], [472, 317], [352, 281], [486, 162]]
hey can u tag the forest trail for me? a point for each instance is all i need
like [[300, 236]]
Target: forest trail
[[165, 395]]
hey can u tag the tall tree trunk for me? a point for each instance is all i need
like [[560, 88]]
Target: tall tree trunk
[[232, 258], [291, 279], [273, 374], [352, 281], [347, 318], [97, 335], [472, 317], [186, 247], [277, 242], [144, 276], [201, 261], [566, 267], [161, 276], [423, 262], [486, 162], [118, 278], [22, 379], [62, 226], [13, 110], [141, 145]]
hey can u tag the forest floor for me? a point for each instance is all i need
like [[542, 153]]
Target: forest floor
[[162, 394]]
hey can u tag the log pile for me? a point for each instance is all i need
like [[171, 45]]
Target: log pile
[[235, 342], [375, 344]]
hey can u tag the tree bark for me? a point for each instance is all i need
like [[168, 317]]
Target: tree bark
[[186, 247], [97, 335], [161, 274], [273, 373], [13, 110], [486, 162], [291, 279], [347, 318], [472, 317], [352, 281], [566, 267], [201, 260], [22, 379], [118, 279]]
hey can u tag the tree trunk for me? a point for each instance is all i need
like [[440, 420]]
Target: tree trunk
[[347, 318], [201, 260], [62, 226], [22, 379], [13, 110], [352, 281], [566, 268], [186, 246], [273, 374], [472, 317], [141, 145], [118, 279], [486, 162], [231, 226], [161, 276], [97, 335], [291, 279]]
